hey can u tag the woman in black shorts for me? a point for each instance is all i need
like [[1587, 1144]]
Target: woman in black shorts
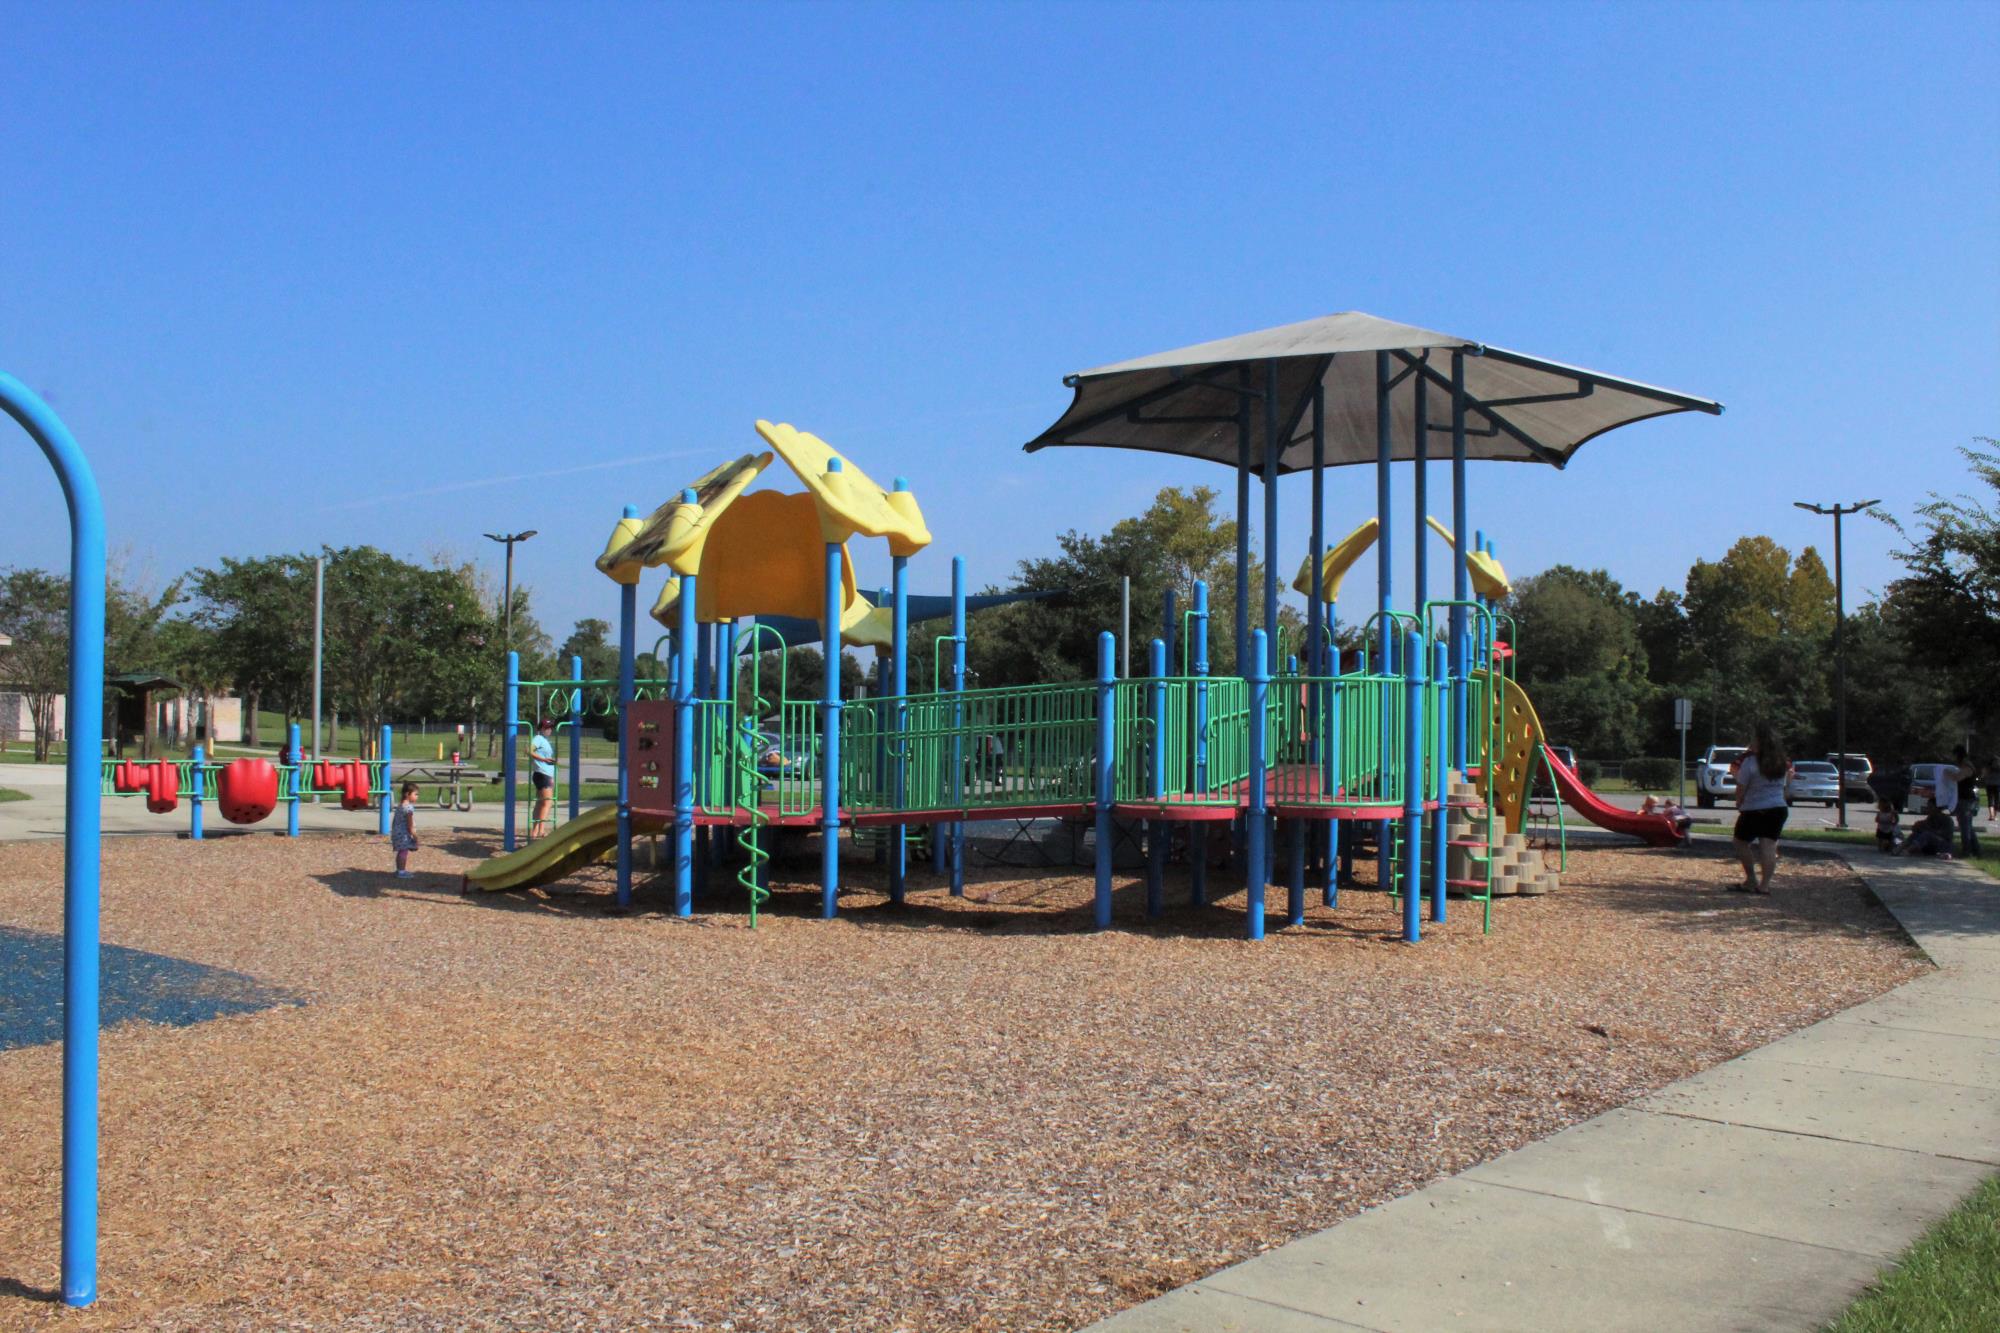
[[1761, 810]]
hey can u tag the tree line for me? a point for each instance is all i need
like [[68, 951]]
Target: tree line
[[1748, 637], [400, 639]]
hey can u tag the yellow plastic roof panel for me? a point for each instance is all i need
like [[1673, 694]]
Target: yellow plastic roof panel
[[677, 531], [1489, 577], [849, 502], [617, 564], [1336, 562]]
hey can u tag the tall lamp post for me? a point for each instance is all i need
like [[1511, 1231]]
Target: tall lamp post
[[507, 596], [1839, 643]]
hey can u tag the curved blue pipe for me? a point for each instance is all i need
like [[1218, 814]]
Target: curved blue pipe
[[82, 834]]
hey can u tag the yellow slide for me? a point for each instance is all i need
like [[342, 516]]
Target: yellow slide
[[571, 847]]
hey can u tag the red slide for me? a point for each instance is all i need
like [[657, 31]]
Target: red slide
[[1657, 830]]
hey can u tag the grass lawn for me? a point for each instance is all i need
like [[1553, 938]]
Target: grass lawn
[[1949, 1280], [9, 794]]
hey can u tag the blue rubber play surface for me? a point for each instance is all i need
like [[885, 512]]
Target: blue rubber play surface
[[137, 987]]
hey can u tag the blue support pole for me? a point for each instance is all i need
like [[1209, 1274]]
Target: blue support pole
[[299, 776], [1384, 575], [1256, 863], [1420, 466], [1272, 448], [899, 689], [194, 797], [1413, 789], [576, 738], [628, 657], [1242, 520], [1169, 630], [1198, 834], [1295, 883], [684, 690], [1107, 740], [1479, 544], [510, 725], [1461, 587], [388, 802], [958, 717], [1440, 776], [1157, 830], [829, 782], [82, 834], [1315, 617], [704, 674]]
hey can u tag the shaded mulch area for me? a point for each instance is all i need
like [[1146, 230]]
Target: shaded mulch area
[[526, 1111]]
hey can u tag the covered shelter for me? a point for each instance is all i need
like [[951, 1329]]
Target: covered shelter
[[137, 719], [1346, 389]]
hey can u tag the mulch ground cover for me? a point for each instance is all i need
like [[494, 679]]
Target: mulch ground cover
[[529, 1112]]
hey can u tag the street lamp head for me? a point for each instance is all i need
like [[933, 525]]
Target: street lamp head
[[523, 536], [495, 537]]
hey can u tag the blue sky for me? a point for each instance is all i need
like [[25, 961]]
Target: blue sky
[[298, 275]]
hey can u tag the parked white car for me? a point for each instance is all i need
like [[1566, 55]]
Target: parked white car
[[1813, 780], [1927, 781], [1713, 780]]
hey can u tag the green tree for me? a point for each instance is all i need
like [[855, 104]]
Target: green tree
[[1581, 658], [591, 641], [1949, 601], [1759, 629], [259, 611], [34, 615]]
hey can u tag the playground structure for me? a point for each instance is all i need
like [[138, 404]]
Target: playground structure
[[249, 790], [1427, 739], [1432, 735]]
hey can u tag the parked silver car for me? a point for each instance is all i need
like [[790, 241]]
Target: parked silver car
[[1813, 780]]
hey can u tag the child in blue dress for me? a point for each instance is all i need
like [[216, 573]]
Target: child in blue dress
[[403, 830]]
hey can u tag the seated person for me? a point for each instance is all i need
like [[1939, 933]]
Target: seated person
[[1672, 809], [1932, 837]]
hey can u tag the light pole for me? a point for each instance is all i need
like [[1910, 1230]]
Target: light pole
[[507, 597], [1839, 644]]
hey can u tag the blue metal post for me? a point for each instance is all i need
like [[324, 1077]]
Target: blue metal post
[[1413, 789], [1169, 630], [704, 675], [1420, 577], [576, 738], [1157, 830], [1460, 577], [82, 837], [1272, 448], [1384, 574], [1256, 863], [1440, 776], [899, 688], [299, 776], [388, 804], [725, 690], [1107, 740], [509, 727], [829, 782], [1198, 835], [958, 717], [1295, 900], [1315, 651], [1479, 544], [628, 656], [684, 689], [194, 797], [1242, 519]]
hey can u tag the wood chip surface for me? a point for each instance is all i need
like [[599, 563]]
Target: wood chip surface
[[526, 1112]]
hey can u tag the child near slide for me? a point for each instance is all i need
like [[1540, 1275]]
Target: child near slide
[[403, 829]]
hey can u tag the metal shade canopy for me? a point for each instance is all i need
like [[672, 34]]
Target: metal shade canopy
[[1192, 401]]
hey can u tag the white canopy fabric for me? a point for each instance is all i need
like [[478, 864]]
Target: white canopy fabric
[[1519, 408]]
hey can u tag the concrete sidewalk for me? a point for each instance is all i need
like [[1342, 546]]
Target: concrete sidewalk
[[1764, 1193]]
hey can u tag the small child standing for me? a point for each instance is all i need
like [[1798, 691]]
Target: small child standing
[[1886, 826], [403, 830]]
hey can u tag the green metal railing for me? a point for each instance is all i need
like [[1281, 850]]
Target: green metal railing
[[988, 749], [1346, 749], [1167, 726]]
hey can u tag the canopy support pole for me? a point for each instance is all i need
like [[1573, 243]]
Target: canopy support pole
[[1271, 516], [1461, 578], [899, 689], [1384, 579], [1242, 523]]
